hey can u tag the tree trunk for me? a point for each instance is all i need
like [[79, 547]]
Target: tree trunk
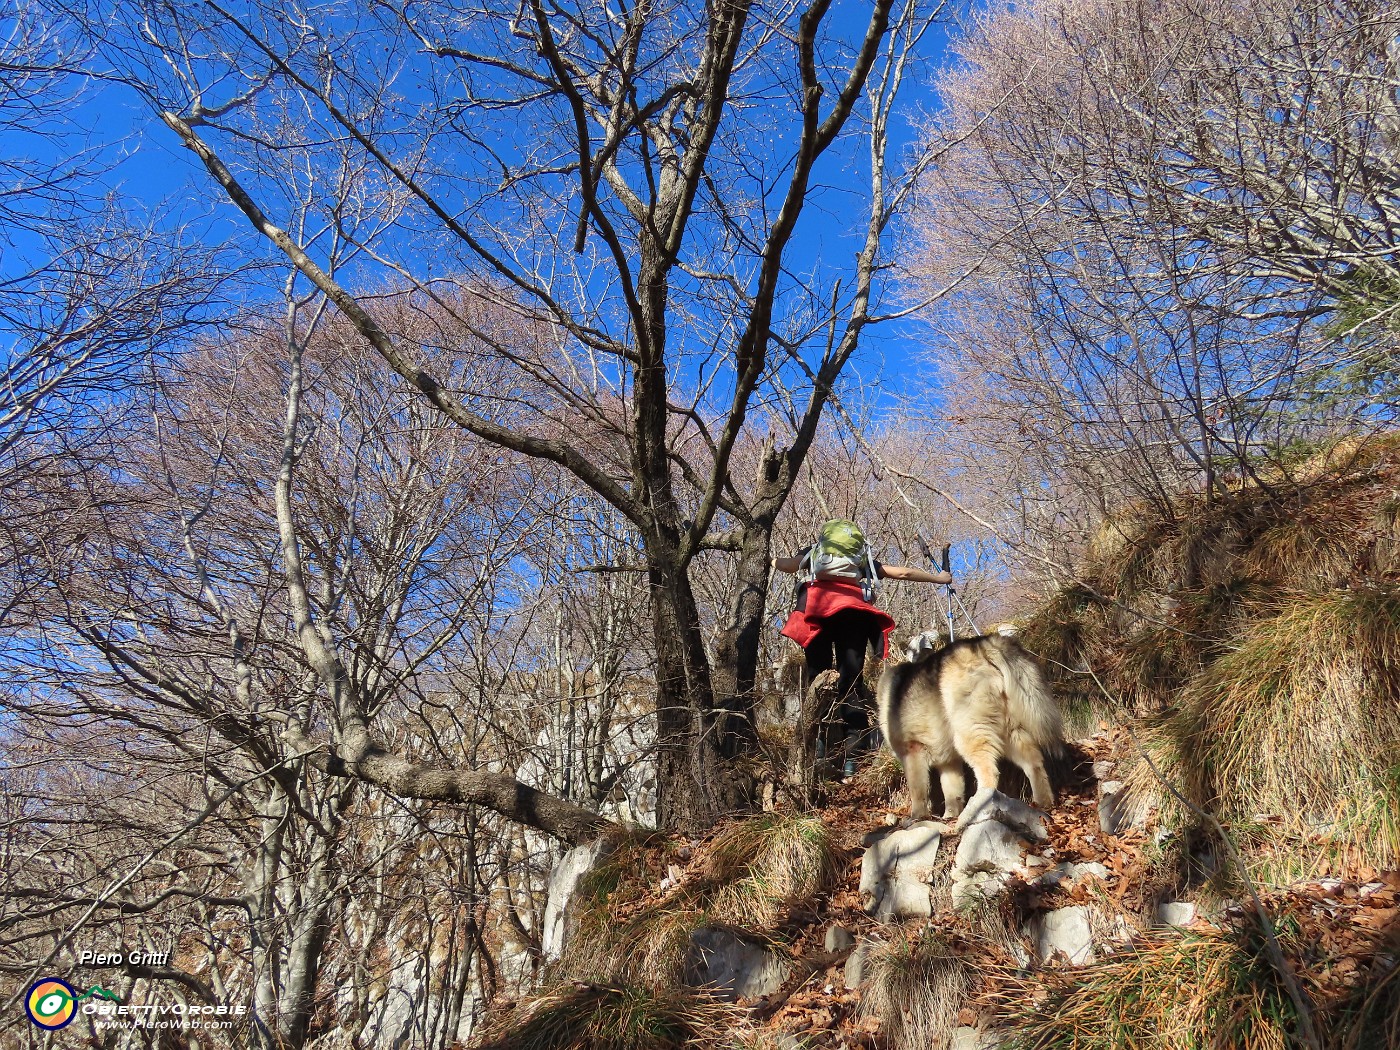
[[736, 654], [289, 910], [695, 784], [263, 935], [818, 698], [309, 926]]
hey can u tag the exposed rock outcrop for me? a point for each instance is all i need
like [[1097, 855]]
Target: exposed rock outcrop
[[563, 888], [896, 874], [733, 964]]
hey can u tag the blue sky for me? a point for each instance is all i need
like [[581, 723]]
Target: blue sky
[[143, 167]]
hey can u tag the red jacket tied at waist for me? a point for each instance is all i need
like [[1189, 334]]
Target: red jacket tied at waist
[[826, 598]]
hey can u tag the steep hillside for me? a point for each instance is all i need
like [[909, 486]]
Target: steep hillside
[[1253, 642], [1219, 869], [792, 884]]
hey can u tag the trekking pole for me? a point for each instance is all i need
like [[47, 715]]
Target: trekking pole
[[953, 596], [948, 591], [966, 615], [947, 594]]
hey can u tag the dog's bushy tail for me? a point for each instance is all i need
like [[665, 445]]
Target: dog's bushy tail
[[1031, 706]]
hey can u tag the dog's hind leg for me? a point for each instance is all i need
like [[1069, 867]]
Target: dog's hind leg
[[950, 776], [981, 754], [981, 751], [976, 710], [914, 758], [1027, 754]]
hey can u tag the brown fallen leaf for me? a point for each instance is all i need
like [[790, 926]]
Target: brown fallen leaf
[[1377, 918]]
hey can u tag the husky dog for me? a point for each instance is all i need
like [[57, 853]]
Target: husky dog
[[977, 699]]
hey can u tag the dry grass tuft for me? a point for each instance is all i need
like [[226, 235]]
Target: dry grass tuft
[[881, 776], [649, 948], [620, 937], [1203, 990], [762, 1040], [1345, 456], [770, 861], [1301, 721], [621, 876], [757, 869], [998, 920], [1256, 635], [607, 1017], [916, 989], [1065, 634], [1119, 538], [1370, 1018]]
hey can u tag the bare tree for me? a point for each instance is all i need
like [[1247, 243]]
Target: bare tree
[[1171, 213], [167, 629], [89, 294], [634, 180]]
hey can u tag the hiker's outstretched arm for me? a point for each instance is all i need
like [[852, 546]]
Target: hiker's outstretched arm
[[913, 575], [787, 564]]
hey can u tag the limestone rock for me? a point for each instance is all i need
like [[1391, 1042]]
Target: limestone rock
[[965, 1038], [838, 939], [733, 965], [975, 888], [993, 844], [874, 835], [1067, 930], [1115, 813], [855, 965], [896, 871], [1330, 887], [1025, 820], [1117, 935], [563, 887], [1175, 913], [990, 846]]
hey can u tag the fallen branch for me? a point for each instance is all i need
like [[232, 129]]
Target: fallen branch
[[357, 756]]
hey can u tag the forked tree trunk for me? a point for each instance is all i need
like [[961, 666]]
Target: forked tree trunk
[[695, 782]]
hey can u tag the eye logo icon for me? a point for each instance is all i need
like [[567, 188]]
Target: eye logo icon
[[51, 1003]]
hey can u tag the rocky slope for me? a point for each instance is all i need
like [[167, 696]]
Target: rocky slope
[[1077, 928]]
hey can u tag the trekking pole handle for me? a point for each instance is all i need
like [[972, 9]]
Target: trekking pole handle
[[923, 546], [942, 561]]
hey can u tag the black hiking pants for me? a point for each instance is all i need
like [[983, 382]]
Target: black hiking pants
[[843, 643]]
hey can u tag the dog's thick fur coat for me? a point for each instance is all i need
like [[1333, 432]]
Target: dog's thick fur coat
[[979, 700]]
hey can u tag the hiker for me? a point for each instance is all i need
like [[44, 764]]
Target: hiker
[[835, 619]]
